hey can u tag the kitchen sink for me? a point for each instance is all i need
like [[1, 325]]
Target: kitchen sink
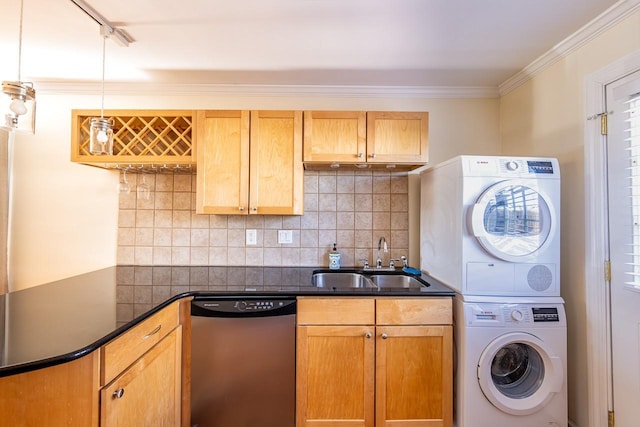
[[396, 281], [341, 280]]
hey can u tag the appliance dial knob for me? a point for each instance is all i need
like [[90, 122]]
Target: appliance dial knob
[[511, 165], [241, 305], [517, 315]]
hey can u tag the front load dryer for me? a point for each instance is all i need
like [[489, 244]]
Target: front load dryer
[[491, 225], [511, 368]]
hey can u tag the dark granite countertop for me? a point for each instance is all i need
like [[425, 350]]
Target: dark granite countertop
[[63, 320]]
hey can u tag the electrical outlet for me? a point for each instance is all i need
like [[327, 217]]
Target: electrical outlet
[[252, 237], [285, 236]]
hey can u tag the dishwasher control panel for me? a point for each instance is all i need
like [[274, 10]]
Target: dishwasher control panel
[[222, 307]]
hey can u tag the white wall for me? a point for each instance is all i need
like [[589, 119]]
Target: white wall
[[65, 215], [545, 117]]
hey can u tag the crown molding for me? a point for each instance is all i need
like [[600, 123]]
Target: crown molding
[[150, 89], [609, 18]]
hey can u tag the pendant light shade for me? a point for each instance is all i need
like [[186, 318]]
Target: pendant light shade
[[101, 133], [18, 98]]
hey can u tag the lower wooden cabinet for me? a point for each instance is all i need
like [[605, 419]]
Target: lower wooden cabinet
[[394, 371], [148, 393]]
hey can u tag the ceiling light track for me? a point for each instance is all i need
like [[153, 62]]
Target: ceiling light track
[[108, 29]]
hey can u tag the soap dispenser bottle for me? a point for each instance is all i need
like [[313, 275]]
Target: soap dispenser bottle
[[334, 258]]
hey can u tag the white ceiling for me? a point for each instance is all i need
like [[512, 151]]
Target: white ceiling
[[430, 43]]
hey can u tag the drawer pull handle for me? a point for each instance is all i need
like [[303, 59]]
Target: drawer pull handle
[[118, 393], [150, 334]]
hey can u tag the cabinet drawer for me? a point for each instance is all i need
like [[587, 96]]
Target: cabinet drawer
[[121, 352], [336, 311], [418, 311]]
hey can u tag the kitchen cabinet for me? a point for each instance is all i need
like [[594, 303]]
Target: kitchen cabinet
[[249, 163], [375, 139], [374, 362], [65, 394], [158, 139], [141, 373]]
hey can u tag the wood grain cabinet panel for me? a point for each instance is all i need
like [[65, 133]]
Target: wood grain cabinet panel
[[397, 137], [250, 163], [402, 366], [335, 136]]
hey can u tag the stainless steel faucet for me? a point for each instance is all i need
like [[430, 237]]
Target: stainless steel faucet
[[382, 244]]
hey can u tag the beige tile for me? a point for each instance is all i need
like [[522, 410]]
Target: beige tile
[[143, 255], [273, 222], [309, 257], [126, 236], [363, 202], [345, 202], [345, 184], [218, 256], [310, 202], [127, 200], [145, 203], [381, 203], [327, 184], [399, 239], [199, 237], [254, 221], [270, 238], [181, 237], [345, 221], [182, 183], [348, 258], [363, 238], [164, 182], [236, 238], [199, 256], [363, 220], [162, 255], [363, 183], [399, 221], [327, 202], [163, 200], [254, 256], [144, 218], [125, 255], [309, 238], [362, 254], [290, 257], [310, 182], [236, 256], [163, 218], [182, 201], [218, 237], [144, 237], [291, 222], [326, 239], [126, 218], [399, 183], [181, 219], [180, 255], [381, 220], [327, 220], [399, 203], [199, 221], [381, 183], [236, 221], [345, 238], [309, 220], [272, 257], [162, 236], [218, 221]]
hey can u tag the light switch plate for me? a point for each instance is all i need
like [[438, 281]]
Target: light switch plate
[[252, 237], [285, 236]]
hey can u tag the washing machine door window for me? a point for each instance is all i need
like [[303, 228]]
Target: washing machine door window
[[512, 221], [518, 374]]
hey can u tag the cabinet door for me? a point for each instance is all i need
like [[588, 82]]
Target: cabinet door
[[394, 137], [414, 376], [148, 393], [276, 178], [223, 162], [335, 136], [335, 376]]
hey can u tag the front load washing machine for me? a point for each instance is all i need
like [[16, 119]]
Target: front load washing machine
[[511, 362], [491, 225]]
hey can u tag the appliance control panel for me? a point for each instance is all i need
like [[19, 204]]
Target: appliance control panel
[[487, 314], [220, 307], [526, 167]]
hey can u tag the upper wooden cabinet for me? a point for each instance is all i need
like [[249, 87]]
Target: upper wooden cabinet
[[249, 162], [372, 139], [163, 138]]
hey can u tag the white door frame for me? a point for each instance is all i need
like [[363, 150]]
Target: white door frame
[[597, 295]]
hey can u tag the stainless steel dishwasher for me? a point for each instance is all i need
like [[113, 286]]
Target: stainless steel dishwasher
[[243, 362]]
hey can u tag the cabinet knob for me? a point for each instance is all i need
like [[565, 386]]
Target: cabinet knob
[[360, 155], [254, 209], [373, 155], [240, 208], [118, 393], [367, 335], [384, 336]]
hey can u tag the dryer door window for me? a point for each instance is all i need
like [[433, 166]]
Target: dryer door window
[[511, 220], [518, 375]]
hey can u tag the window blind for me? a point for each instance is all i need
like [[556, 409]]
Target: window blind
[[632, 139]]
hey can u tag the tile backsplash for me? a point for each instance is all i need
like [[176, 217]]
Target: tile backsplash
[[351, 208]]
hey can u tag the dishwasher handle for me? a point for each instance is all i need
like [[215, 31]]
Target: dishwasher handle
[[243, 307]]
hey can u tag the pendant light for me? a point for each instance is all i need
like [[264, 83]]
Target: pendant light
[[101, 131], [22, 95]]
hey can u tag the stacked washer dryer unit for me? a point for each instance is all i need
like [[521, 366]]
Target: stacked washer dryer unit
[[490, 229]]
